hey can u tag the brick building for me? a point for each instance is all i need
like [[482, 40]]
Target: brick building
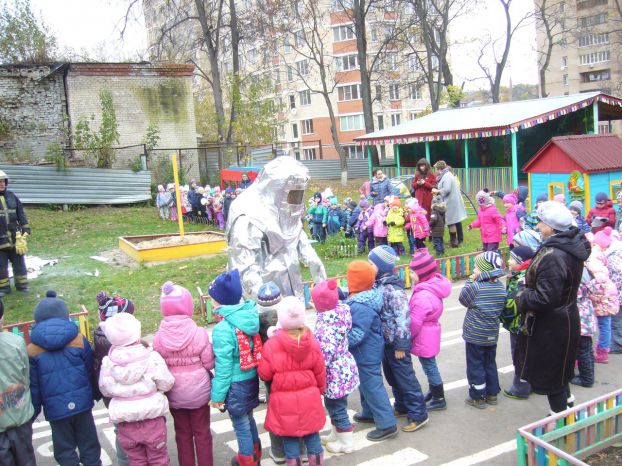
[[41, 105]]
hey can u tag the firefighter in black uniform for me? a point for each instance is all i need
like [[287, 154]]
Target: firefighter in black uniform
[[14, 229]]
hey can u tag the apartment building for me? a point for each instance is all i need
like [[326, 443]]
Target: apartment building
[[587, 52], [398, 89]]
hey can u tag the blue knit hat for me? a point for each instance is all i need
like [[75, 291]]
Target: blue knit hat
[[542, 198], [50, 307], [531, 221], [268, 295], [384, 258], [488, 261], [601, 197], [226, 288]]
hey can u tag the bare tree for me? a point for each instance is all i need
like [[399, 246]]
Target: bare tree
[[494, 76], [549, 21]]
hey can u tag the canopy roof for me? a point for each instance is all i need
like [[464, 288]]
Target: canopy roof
[[492, 120]]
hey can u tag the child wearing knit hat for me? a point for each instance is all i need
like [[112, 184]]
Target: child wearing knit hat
[[365, 232], [108, 306], [135, 378], [511, 218], [576, 208], [237, 348], [395, 222], [163, 201], [188, 353], [395, 324], [333, 323], [429, 288], [511, 317], [602, 214], [484, 297], [61, 374], [295, 409], [17, 410], [366, 344], [417, 224], [489, 221]]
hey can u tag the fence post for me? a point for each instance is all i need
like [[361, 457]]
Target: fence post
[[397, 159], [319, 143], [466, 166], [369, 161], [514, 162]]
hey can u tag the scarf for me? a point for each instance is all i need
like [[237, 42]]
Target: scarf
[[441, 174], [249, 358]]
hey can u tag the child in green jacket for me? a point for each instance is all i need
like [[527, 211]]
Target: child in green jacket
[[237, 347]]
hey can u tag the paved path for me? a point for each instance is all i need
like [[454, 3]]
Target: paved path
[[459, 436]]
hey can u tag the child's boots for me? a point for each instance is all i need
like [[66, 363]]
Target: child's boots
[[435, 399], [601, 356], [332, 437], [343, 443], [244, 460], [316, 459], [520, 389]]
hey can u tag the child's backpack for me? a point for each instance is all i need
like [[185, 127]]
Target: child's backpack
[[511, 319]]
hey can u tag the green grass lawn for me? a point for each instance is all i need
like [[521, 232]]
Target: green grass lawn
[[72, 237]]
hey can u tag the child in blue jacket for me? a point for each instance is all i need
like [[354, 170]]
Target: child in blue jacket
[[366, 344], [395, 323], [61, 373]]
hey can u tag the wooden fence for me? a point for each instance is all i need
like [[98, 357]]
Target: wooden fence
[[81, 319], [564, 438]]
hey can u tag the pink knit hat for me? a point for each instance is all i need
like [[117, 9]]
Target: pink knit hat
[[510, 199], [423, 264], [412, 203], [122, 329], [175, 300], [603, 238], [325, 296], [291, 313], [560, 198]]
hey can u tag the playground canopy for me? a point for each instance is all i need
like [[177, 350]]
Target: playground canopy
[[496, 120]]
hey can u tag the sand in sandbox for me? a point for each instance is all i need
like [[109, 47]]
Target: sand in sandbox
[[177, 241]]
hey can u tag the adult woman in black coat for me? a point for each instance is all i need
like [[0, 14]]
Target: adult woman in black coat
[[547, 345]]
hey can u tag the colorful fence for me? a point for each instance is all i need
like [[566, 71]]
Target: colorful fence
[[471, 180], [563, 438], [453, 267], [81, 319]]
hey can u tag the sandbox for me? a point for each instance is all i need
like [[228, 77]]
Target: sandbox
[[148, 248]]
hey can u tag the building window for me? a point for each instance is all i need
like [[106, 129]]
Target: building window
[[349, 92], [309, 154], [277, 76], [290, 74], [307, 126], [302, 67], [354, 152], [380, 122], [340, 5], [593, 39], [592, 76], [562, 7], [292, 101], [305, 97], [389, 31], [299, 38], [378, 92], [346, 62], [565, 79], [413, 115], [435, 62], [583, 4], [374, 33], [391, 58], [594, 57], [394, 92], [415, 92], [563, 43], [564, 62], [342, 33], [294, 130], [286, 45], [351, 123], [413, 62], [396, 119], [589, 21]]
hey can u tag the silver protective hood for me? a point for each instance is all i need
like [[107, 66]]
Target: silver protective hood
[[264, 231]]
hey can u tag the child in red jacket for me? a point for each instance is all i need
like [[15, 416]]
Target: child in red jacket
[[602, 214], [295, 410]]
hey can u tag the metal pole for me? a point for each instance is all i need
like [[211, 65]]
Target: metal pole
[[180, 219], [467, 181], [514, 162], [427, 151], [397, 158], [595, 111], [369, 161]]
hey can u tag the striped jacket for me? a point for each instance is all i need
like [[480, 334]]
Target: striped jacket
[[484, 298]]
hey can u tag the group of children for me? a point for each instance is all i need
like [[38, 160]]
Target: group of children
[[207, 205], [386, 222]]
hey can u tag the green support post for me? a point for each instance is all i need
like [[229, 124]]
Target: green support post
[[427, 151], [397, 159], [595, 111], [369, 161], [466, 166], [514, 162]]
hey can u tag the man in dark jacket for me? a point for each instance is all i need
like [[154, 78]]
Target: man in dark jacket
[[14, 229], [549, 337]]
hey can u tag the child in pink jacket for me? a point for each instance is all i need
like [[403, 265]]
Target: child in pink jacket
[[511, 219], [426, 308], [378, 222], [135, 378], [188, 353], [417, 223], [490, 221]]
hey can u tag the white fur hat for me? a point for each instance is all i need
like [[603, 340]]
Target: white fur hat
[[122, 329]]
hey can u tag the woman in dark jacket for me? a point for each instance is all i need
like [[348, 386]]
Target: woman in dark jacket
[[422, 185], [547, 344]]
